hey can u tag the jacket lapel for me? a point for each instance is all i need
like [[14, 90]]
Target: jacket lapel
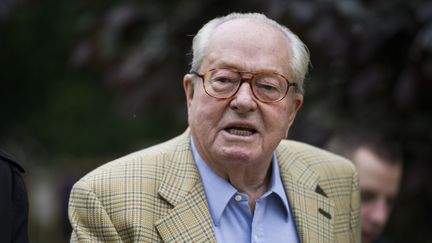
[[189, 220], [312, 210]]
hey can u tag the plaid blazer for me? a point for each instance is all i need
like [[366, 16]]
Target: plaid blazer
[[156, 195]]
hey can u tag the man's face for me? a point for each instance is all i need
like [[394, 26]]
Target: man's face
[[245, 45], [379, 183]]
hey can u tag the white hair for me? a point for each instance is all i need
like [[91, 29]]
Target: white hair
[[299, 62]]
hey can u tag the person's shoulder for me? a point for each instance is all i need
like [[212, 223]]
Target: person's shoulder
[[137, 173], [296, 148], [9, 160], [314, 157], [149, 160]]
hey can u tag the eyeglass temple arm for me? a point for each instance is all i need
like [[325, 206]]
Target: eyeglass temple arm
[[196, 74]]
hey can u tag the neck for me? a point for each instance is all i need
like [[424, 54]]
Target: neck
[[252, 180]]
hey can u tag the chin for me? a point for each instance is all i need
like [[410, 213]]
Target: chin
[[240, 155]]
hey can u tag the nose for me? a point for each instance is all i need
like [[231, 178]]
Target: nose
[[380, 213], [244, 100]]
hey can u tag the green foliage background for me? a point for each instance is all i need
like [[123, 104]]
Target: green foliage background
[[83, 82]]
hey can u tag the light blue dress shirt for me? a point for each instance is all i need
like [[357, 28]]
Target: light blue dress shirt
[[232, 219]]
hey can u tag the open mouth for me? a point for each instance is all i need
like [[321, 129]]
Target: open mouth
[[241, 131]]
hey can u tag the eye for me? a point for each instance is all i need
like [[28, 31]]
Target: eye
[[267, 83], [223, 79], [266, 87], [367, 196], [224, 76]]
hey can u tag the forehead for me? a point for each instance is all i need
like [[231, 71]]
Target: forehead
[[376, 174], [248, 44]]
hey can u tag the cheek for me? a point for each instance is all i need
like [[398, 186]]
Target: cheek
[[366, 209], [204, 113], [364, 214], [278, 119]]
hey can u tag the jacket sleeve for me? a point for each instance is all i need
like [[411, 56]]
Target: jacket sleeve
[[88, 217]]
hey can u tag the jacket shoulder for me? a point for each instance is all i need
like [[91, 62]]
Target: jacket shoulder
[[9, 159], [148, 161], [315, 158]]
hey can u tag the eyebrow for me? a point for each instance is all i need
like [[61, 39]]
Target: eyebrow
[[225, 64]]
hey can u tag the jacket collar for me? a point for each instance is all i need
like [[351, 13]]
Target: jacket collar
[[190, 220]]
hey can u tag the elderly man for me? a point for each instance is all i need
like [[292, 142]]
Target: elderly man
[[379, 163], [230, 177]]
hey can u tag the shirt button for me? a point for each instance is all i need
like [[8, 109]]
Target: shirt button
[[238, 198]]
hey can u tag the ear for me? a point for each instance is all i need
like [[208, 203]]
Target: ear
[[189, 89], [297, 102]]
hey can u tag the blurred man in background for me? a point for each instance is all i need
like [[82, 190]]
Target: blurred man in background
[[379, 163]]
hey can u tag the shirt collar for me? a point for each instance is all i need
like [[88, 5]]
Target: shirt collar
[[219, 191], [277, 187]]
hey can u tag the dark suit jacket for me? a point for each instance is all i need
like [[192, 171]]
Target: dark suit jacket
[[13, 201]]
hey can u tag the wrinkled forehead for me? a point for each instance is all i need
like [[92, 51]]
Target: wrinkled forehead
[[250, 41], [246, 25]]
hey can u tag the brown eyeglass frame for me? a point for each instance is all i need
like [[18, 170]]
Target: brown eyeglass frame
[[242, 80]]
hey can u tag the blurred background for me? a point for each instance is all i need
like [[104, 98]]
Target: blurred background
[[84, 82]]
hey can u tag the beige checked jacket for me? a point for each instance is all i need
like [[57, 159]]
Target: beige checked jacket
[[155, 195]]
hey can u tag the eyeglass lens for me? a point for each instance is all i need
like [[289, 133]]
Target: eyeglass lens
[[224, 83]]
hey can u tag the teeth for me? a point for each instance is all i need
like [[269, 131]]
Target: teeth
[[239, 132]]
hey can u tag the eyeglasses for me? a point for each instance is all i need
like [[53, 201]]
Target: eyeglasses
[[223, 83]]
